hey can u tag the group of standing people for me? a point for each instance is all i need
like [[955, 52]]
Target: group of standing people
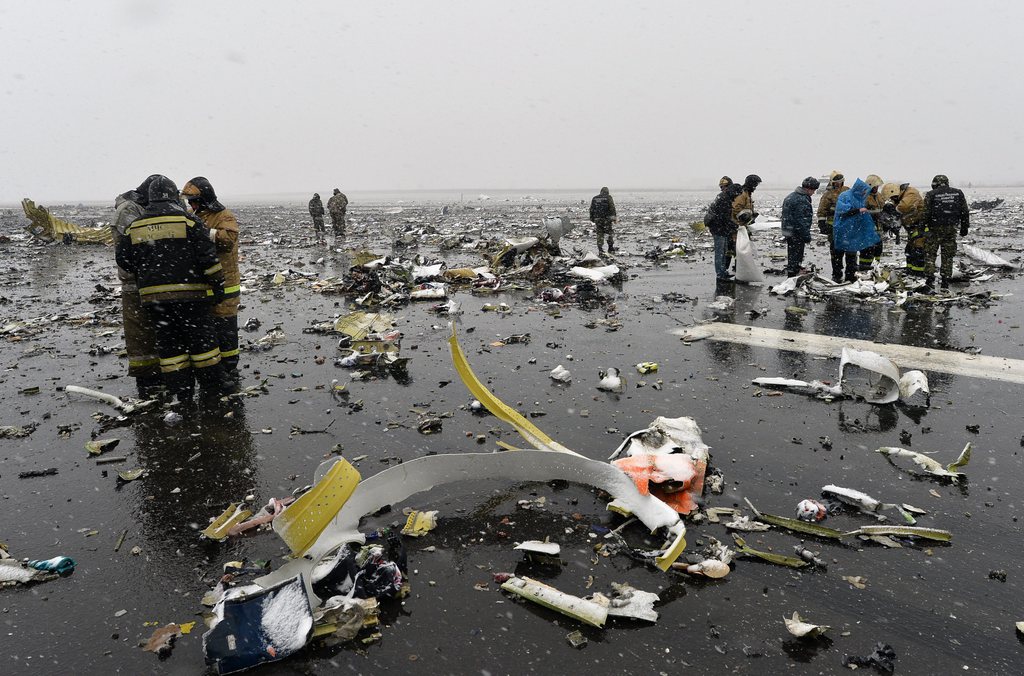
[[856, 219], [180, 287], [337, 205]]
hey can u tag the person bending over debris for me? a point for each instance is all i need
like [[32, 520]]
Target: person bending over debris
[[224, 232], [337, 206], [316, 210], [139, 337], [945, 208], [175, 263], [797, 214], [603, 215]]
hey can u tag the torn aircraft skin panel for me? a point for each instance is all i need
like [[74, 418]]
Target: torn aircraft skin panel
[[396, 484], [593, 612], [49, 228], [881, 374], [984, 257], [931, 359]]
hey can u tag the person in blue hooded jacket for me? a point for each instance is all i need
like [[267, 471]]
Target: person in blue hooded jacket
[[853, 228]]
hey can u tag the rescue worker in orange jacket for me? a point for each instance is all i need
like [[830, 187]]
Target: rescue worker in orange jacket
[[202, 199], [175, 264], [139, 338]]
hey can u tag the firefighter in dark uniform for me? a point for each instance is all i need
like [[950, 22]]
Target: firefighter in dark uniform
[[174, 261], [826, 218], [945, 211], [139, 338], [316, 210], [910, 207], [603, 215], [224, 232]]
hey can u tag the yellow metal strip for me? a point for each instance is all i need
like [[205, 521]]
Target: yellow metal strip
[[500, 409]]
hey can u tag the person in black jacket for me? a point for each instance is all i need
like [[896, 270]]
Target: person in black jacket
[[603, 215], [945, 208], [797, 215], [718, 221], [316, 211], [175, 264]]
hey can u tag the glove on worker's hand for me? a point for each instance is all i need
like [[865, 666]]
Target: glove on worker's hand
[[963, 230]]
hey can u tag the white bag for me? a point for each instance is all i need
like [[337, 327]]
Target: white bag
[[747, 268]]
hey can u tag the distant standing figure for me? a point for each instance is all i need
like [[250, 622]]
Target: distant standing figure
[[224, 232], [797, 214], [945, 208], [316, 210], [718, 221], [337, 206], [603, 215], [826, 219]]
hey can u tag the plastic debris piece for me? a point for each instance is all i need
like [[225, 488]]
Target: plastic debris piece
[[811, 510], [595, 274], [306, 518], [627, 601], [123, 406], [255, 628], [13, 573], [712, 568], [560, 374], [97, 446], [795, 524], [611, 381], [187, 627], [162, 640], [856, 580], [985, 257], [883, 659], [61, 565], [930, 465], [539, 547], [131, 474], [746, 524], [645, 367], [592, 612], [273, 509], [420, 523], [233, 515], [778, 559], [797, 627], [936, 534], [576, 639]]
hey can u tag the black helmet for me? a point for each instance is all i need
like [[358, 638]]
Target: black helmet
[[162, 189], [751, 182], [199, 189], [143, 190], [810, 183], [940, 179]]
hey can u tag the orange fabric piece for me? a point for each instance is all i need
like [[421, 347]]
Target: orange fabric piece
[[648, 471]]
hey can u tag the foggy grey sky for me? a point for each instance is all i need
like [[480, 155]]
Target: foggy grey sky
[[274, 97]]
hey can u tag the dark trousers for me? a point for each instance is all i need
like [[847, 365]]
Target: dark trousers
[[794, 256], [226, 330], [187, 345], [604, 229]]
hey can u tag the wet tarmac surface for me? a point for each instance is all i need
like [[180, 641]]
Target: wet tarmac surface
[[936, 605]]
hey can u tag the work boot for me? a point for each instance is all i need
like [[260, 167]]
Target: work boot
[[944, 284], [149, 387]]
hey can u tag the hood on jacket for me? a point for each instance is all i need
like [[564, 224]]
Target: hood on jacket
[[199, 189], [860, 190]]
